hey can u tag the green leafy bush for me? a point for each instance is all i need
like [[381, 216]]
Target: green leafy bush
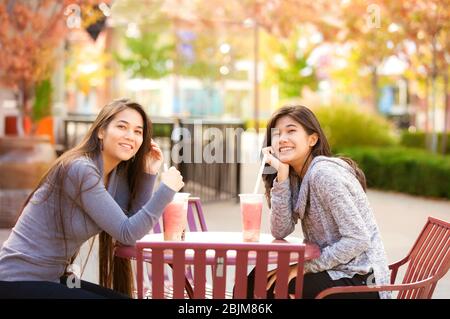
[[43, 100], [346, 126], [403, 169], [419, 140], [250, 124], [162, 130]]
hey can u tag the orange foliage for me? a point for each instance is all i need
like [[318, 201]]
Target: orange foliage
[[29, 33]]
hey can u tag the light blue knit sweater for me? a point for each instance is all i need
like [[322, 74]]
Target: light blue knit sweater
[[339, 219]]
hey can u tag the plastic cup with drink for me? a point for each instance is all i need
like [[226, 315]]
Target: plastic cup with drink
[[251, 211], [175, 217]]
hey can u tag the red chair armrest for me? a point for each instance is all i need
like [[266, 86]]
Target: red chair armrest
[[374, 288], [395, 266]]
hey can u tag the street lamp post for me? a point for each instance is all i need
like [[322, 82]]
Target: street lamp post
[[255, 74]]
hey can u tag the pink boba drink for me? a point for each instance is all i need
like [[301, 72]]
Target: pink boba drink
[[251, 210], [175, 217]]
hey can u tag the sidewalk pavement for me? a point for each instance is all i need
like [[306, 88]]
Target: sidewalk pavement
[[400, 218]]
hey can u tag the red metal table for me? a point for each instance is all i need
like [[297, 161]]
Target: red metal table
[[312, 251]]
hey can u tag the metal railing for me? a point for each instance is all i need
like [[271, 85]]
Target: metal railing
[[213, 175], [216, 180]]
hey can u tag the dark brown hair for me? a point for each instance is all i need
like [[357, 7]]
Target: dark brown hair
[[306, 118], [114, 272]]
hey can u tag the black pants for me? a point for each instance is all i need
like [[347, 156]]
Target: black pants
[[313, 284], [53, 290]]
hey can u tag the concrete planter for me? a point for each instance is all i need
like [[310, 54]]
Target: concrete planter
[[23, 161]]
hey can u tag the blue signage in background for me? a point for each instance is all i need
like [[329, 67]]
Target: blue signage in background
[[202, 102], [176, 105], [386, 100]]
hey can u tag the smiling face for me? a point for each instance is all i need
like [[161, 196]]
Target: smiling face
[[291, 142], [122, 137]]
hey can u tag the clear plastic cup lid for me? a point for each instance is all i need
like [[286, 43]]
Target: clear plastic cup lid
[[181, 196], [252, 197]]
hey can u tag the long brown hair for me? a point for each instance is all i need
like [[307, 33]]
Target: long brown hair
[[113, 272], [306, 118]]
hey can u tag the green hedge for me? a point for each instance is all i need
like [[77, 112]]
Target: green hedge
[[162, 130], [250, 124], [347, 126], [418, 139], [405, 170]]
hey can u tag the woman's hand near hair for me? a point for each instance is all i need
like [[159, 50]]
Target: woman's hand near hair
[[282, 168], [154, 159], [173, 179]]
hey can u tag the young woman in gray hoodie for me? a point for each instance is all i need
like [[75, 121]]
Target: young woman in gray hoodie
[[328, 195], [102, 186]]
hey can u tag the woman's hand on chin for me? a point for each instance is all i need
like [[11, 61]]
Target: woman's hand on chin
[[272, 160]]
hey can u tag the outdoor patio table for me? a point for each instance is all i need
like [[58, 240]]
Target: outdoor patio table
[[312, 251]]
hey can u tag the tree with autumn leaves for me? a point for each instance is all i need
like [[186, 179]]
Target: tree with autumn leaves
[[425, 27], [30, 33], [211, 22]]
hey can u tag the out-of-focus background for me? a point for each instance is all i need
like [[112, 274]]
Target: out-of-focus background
[[376, 73]]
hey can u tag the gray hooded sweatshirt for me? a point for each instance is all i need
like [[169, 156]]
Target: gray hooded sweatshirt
[[38, 249], [336, 215]]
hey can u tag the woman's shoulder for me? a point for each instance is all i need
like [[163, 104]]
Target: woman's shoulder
[[327, 169], [328, 164], [81, 165]]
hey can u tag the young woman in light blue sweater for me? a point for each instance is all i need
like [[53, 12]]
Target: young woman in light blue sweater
[[104, 185], [328, 195]]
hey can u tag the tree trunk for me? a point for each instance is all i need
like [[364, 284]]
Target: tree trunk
[[255, 74], [427, 96], [25, 125], [22, 102], [111, 89], [446, 114], [176, 102], [375, 88], [433, 147]]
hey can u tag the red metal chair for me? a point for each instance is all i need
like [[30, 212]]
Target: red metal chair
[[428, 261], [222, 257]]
